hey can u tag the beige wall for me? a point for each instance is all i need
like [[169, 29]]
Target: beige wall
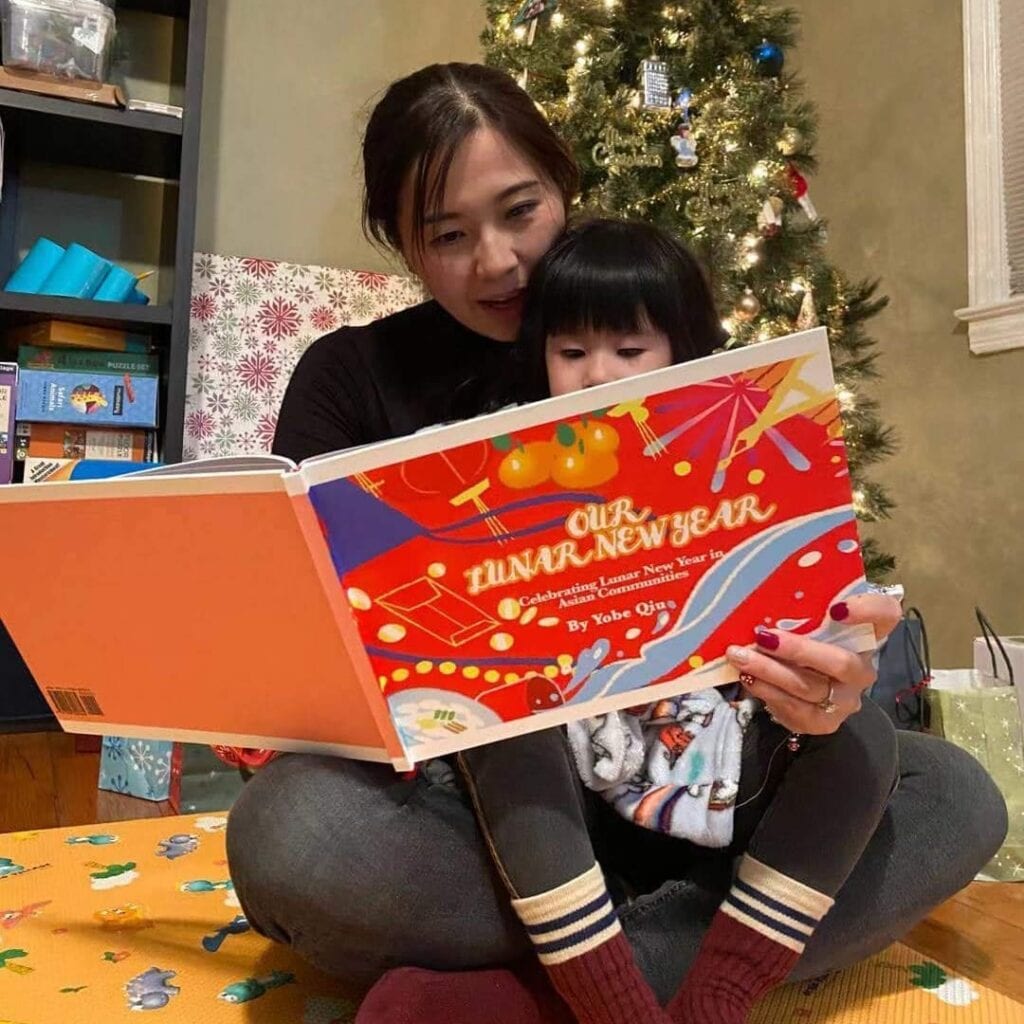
[[288, 87], [888, 81]]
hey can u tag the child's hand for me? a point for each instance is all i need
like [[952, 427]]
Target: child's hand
[[799, 679]]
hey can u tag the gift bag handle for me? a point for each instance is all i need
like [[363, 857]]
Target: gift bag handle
[[992, 637], [922, 656]]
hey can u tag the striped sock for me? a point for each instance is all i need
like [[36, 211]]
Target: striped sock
[[754, 940], [577, 937]]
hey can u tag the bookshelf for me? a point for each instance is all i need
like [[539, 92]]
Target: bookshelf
[[70, 135], [67, 133]]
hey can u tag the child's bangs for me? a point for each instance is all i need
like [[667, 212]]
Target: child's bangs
[[605, 294]]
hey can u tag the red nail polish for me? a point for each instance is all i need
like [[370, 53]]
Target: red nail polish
[[769, 641], [839, 611]]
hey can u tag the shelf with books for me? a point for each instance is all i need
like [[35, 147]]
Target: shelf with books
[[42, 130]]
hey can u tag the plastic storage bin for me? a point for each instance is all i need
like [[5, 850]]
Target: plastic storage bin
[[65, 38]]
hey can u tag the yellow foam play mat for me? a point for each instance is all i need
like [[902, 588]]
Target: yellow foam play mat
[[100, 922]]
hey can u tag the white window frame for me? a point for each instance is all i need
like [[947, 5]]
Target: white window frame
[[995, 318]]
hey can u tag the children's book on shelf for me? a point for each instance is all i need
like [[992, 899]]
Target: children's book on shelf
[[64, 441], [67, 385], [8, 403], [408, 599], [41, 471]]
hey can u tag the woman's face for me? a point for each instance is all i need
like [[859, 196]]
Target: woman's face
[[496, 219]]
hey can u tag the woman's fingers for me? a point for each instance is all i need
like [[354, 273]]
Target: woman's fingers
[[799, 716], [801, 652], [878, 610], [801, 684], [792, 674]]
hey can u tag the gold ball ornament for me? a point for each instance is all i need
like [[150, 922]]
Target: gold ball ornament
[[747, 307], [791, 141]]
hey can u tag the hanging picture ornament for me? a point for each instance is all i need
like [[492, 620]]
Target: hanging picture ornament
[[769, 58], [747, 307], [799, 185], [791, 141], [531, 10], [654, 82], [808, 315], [682, 141], [769, 220]]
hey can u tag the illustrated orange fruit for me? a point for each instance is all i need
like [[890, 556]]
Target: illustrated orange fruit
[[572, 469], [599, 437], [603, 467], [527, 466]]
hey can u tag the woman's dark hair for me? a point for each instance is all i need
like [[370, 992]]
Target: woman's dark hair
[[421, 121], [615, 275]]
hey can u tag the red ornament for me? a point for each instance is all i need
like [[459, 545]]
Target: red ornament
[[797, 181], [800, 191]]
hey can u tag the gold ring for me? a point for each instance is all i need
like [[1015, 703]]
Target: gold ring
[[747, 680], [827, 704]]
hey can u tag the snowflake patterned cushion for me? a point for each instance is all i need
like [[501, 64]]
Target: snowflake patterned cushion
[[251, 319]]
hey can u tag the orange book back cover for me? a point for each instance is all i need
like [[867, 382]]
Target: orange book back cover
[[195, 609]]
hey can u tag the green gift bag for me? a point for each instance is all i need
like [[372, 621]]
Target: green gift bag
[[979, 712]]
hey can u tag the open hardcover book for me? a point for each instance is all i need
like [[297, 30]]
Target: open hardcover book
[[408, 599]]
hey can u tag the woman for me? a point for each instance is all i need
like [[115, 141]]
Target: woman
[[361, 870]]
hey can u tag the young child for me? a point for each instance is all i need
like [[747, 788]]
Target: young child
[[790, 815]]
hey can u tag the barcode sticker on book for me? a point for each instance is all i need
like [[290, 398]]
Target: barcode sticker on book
[[75, 702]]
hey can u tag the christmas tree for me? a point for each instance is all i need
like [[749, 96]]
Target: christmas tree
[[683, 115]]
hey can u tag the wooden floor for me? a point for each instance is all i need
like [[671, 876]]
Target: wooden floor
[[45, 783]]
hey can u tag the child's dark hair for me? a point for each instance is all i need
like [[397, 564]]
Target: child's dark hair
[[615, 275], [420, 122]]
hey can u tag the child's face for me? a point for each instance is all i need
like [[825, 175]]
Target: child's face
[[587, 358]]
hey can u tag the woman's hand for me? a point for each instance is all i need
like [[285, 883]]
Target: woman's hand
[[797, 678]]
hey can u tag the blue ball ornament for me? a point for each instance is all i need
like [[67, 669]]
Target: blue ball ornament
[[769, 58]]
